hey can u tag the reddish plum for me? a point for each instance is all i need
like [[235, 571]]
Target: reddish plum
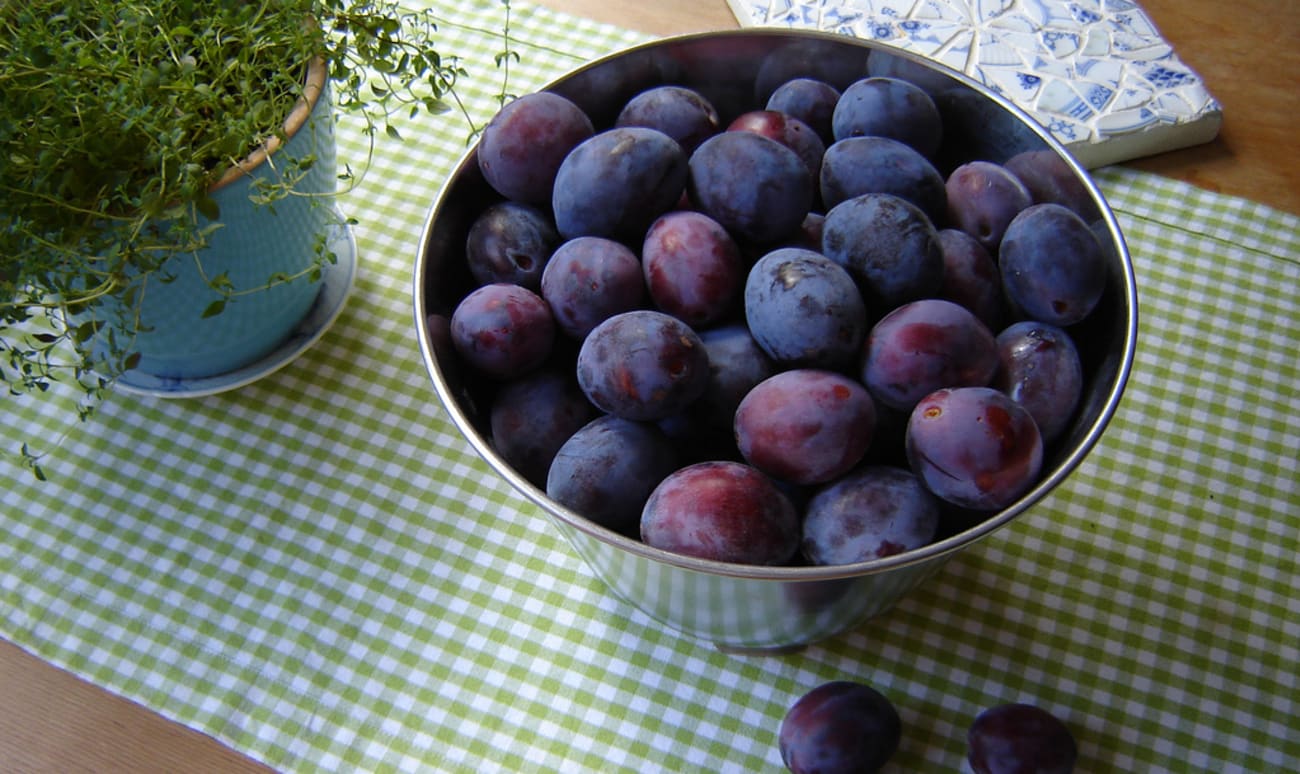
[[983, 197], [590, 279], [839, 727], [805, 426], [523, 145], [974, 447], [1039, 368], [923, 346], [723, 511], [643, 365], [970, 277], [503, 330], [1020, 739], [683, 114], [693, 268]]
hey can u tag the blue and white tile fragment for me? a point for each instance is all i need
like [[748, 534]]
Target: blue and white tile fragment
[[1097, 73]]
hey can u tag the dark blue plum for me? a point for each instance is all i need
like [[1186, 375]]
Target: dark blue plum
[[503, 330], [607, 469], [523, 145], [974, 447], [809, 100], [787, 130], [1053, 269], [889, 246], [705, 431], [983, 197], [970, 277], [723, 511], [872, 512], [1039, 368], [533, 416], [839, 727], [1050, 180], [804, 309], [693, 268], [590, 279], [861, 165], [881, 106], [510, 242], [643, 365], [923, 346], [1020, 739], [757, 188], [616, 183], [805, 426], [736, 365], [683, 114]]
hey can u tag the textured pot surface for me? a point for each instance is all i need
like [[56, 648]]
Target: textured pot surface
[[253, 244]]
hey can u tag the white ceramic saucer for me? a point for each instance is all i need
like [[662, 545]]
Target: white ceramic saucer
[[337, 280]]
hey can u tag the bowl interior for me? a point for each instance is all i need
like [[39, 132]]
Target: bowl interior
[[736, 71]]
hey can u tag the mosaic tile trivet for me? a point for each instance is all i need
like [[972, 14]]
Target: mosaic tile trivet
[[1096, 73]]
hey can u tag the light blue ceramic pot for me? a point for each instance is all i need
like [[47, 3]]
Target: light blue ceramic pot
[[255, 243]]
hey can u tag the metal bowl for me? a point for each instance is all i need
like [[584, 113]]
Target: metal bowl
[[747, 608]]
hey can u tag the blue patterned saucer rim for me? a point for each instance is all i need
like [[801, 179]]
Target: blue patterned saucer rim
[[337, 280]]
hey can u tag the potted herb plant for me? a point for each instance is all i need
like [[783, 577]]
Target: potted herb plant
[[166, 171]]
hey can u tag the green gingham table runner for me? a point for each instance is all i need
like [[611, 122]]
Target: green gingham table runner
[[318, 571]]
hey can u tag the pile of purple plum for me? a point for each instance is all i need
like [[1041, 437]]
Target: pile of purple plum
[[789, 339]]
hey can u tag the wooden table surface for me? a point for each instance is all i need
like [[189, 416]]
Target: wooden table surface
[[51, 721]]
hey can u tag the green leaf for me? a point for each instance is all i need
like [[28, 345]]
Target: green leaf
[[84, 332], [31, 461], [215, 308], [208, 207], [221, 283]]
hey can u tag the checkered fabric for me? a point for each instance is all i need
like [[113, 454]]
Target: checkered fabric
[[317, 570]]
